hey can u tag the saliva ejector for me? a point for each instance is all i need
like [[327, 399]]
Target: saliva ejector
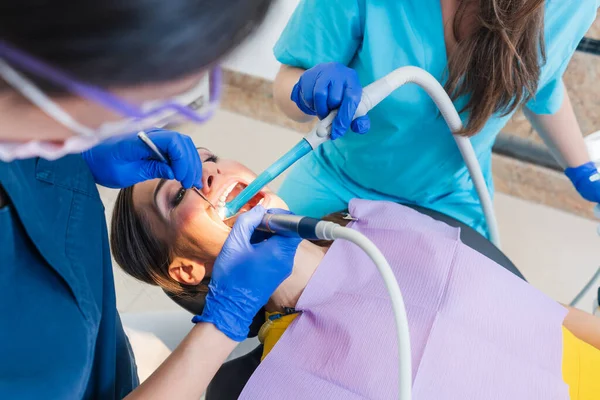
[[372, 95]]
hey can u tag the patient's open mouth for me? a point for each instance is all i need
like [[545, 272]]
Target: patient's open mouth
[[230, 193]]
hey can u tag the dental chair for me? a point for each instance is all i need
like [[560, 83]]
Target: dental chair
[[233, 375]]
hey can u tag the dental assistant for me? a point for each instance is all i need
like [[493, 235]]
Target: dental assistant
[[493, 56], [73, 72]]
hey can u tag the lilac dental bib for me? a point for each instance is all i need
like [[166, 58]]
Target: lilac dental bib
[[477, 331]]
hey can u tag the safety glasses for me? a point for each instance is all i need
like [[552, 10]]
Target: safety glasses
[[188, 106]]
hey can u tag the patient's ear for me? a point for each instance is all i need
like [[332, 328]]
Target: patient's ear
[[186, 271]]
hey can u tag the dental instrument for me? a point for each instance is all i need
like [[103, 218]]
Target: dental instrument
[[372, 95], [312, 228], [144, 138], [302, 148]]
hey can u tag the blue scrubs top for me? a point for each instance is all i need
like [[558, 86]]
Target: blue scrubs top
[[60, 334], [409, 155]]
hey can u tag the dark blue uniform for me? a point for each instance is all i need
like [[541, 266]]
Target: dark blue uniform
[[60, 334]]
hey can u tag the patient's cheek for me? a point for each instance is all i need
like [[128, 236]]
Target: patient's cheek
[[208, 238]]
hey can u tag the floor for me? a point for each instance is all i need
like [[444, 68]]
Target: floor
[[557, 252]]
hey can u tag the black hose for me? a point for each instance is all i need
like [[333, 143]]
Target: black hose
[[590, 46], [526, 151]]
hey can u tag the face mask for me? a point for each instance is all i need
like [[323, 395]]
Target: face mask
[[189, 106], [51, 151]]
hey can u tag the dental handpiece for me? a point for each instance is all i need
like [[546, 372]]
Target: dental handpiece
[[148, 142], [293, 226]]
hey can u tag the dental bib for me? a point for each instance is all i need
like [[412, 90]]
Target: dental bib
[[477, 331]]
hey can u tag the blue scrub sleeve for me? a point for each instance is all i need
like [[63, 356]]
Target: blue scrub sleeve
[[549, 98], [321, 31], [577, 20]]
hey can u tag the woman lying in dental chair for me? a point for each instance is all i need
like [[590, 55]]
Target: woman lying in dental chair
[[477, 331]]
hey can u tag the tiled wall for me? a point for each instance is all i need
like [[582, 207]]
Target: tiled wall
[[583, 83]]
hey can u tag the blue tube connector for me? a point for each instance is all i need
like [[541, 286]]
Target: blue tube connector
[[287, 160]]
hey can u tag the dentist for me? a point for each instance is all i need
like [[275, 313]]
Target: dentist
[[77, 78]]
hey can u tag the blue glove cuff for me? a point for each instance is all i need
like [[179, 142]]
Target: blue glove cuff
[[231, 324], [585, 171], [586, 180]]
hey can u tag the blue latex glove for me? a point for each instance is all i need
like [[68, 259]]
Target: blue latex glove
[[245, 275], [124, 161], [586, 180], [327, 87]]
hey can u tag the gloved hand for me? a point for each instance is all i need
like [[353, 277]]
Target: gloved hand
[[120, 162], [586, 180], [245, 275], [326, 87]]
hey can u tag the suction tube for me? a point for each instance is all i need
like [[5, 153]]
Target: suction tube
[[301, 149], [372, 95], [382, 88], [310, 228]]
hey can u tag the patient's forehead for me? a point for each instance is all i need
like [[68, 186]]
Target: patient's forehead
[[143, 194], [143, 204]]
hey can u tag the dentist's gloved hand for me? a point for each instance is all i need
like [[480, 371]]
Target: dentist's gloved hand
[[123, 161], [586, 180], [245, 275], [327, 87]]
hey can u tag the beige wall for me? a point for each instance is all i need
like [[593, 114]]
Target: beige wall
[[583, 82]]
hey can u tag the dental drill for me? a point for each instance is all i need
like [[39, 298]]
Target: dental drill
[[372, 95], [312, 229]]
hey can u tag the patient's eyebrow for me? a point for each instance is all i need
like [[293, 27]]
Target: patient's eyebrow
[[160, 185]]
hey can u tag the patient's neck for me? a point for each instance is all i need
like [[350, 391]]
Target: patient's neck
[[308, 257]]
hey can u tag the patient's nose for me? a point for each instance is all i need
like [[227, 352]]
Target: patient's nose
[[207, 181], [209, 173]]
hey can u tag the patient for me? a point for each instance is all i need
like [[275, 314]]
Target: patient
[[165, 235]]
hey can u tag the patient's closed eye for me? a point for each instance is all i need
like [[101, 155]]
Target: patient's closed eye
[[178, 197], [212, 158]]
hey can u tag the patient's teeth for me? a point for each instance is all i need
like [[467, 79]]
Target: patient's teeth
[[223, 197], [222, 201]]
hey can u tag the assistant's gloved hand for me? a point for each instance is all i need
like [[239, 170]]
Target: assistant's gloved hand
[[123, 161], [586, 180], [326, 87], [245, 275]]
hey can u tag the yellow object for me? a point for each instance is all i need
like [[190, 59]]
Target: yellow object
[[272, 330], [580, 367]]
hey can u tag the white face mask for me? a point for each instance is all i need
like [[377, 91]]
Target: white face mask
[[86, 137], [10, 151]]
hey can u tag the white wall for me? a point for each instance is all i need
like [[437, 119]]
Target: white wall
[[255, 57]]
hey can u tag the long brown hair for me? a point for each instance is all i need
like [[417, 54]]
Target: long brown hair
[[498, 63]]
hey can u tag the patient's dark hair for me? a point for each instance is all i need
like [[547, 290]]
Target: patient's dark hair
[[146, 257], [120, 43]]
